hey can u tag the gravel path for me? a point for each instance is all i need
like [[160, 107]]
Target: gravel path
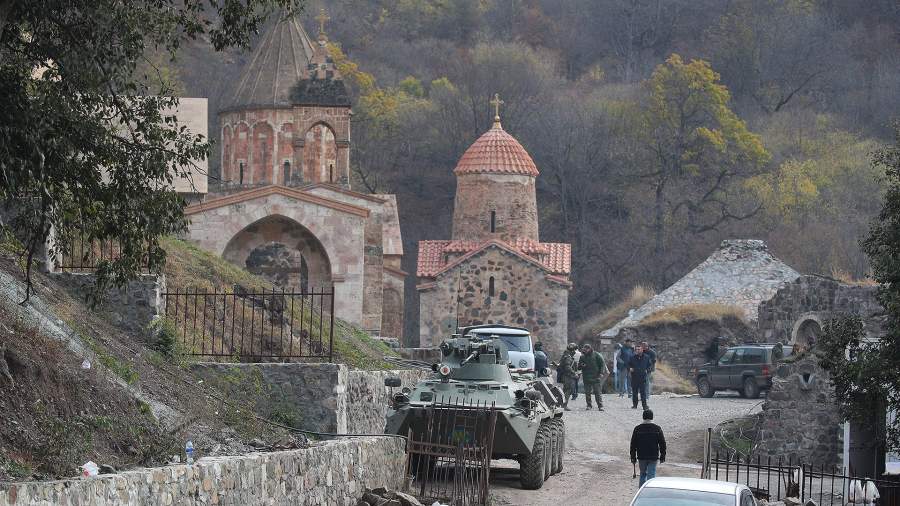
[[597, 470]]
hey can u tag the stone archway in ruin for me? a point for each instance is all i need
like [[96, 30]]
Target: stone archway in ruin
[[807, 330], [283, 251]]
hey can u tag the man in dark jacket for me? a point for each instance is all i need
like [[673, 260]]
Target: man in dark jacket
[[648, 445], [594, 373], [541, 363], [639, 366], [624, 357]]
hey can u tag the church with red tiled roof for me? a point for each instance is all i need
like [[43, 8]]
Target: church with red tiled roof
[[495, 269]]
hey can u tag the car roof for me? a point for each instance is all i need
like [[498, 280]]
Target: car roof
[[498, 329], [715, 486]]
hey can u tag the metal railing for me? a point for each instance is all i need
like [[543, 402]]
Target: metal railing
[[776, 479], [449, 457], [254, 326], [78, 252]]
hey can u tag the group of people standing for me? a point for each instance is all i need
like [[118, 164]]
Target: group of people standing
[[632, 372]]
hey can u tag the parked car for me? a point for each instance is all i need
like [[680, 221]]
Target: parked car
[[517, 340], [669, 491], [746, 368]]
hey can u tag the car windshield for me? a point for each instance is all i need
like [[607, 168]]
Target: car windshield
[[515, 343], [653, 496]]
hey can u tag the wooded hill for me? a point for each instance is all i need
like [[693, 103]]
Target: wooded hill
[[660, 126]]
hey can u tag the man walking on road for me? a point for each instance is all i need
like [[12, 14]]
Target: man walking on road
[[639, 366], [648, 445], [566, 373], [594, 372]]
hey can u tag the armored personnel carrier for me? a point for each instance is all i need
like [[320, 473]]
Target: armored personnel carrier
[[475, 374]]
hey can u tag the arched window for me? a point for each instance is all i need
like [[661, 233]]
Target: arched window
[[493, 221], [287, 173], [491, 287]]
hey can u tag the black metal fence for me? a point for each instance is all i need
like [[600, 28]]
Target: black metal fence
[[78, 252], [257, 326], [776, 479], [449, 455]]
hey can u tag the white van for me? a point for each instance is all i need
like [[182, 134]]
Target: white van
[[517, 340]]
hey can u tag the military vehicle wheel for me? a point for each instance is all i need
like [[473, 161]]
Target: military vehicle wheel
[[531, 468], [548, 449], [704, 388], [421, 466], [560, 445]]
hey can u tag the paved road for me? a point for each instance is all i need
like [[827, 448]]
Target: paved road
[[597, 471]]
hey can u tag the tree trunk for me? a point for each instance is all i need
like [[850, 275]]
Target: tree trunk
[[659, 231]]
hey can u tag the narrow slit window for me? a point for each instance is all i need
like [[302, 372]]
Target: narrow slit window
[[491, 287], [241, 174], [287, 172], [493, 221]]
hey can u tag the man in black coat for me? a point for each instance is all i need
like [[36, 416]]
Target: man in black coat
[[639, 366], [648, 445]]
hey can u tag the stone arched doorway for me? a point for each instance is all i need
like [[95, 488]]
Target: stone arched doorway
[[283, 251], [806, 331], [320, 155]]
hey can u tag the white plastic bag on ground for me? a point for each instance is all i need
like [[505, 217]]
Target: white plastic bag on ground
[[862, 492], [89, 468]]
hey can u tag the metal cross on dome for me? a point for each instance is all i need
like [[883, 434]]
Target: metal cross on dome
[[496, 102], [322, 18]]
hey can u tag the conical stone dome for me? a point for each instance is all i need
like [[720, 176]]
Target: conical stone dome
[[281, 58], [496, 152]]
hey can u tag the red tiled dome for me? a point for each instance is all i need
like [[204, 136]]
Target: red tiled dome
[[496, 152]]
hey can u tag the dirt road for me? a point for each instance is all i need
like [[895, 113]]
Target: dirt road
[[597, 469]]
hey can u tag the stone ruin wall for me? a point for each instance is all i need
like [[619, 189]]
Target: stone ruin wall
[[523, 297], [334, 473], [816, 298], [799, 419], [132, 307]]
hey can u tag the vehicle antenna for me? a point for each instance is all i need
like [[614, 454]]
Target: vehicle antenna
[[458, 286]]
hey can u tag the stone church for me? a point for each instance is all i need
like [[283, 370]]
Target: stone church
[[283, 206], [495, 269]]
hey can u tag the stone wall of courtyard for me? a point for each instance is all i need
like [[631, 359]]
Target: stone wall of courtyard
[[132, 307], [318, 397], [799, 418], [523, 297], [334, 473]]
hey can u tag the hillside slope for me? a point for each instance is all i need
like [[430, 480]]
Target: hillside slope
[[75, 387]]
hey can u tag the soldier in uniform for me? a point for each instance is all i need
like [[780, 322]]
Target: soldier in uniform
[[594, 372], [567, 372]]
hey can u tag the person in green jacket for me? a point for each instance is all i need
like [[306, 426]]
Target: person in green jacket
[[594, 373]]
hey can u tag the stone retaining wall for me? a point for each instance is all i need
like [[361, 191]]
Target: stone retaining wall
[[332, 473], [799, 419], [132, 307], [317, 397]]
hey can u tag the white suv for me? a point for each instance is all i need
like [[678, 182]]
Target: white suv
[[517, 340]]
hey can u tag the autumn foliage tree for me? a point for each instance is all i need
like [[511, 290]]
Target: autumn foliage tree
[[698, 154]]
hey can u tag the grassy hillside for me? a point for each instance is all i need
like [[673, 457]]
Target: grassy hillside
[[609, 316], [190, 268]]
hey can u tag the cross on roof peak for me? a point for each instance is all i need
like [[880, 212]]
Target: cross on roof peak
[[322, 18], [496, 102]]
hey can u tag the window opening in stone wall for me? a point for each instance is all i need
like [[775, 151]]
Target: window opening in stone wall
[[241, 173], [287, 172], [493, 221], [331, 173], [491, 287]]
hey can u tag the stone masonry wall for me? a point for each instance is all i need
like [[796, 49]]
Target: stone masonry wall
[[523, 296], [317, 397], [799, 418], [817, 298], [131, 308], [367, 398], [510, 197], [332, 473]]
